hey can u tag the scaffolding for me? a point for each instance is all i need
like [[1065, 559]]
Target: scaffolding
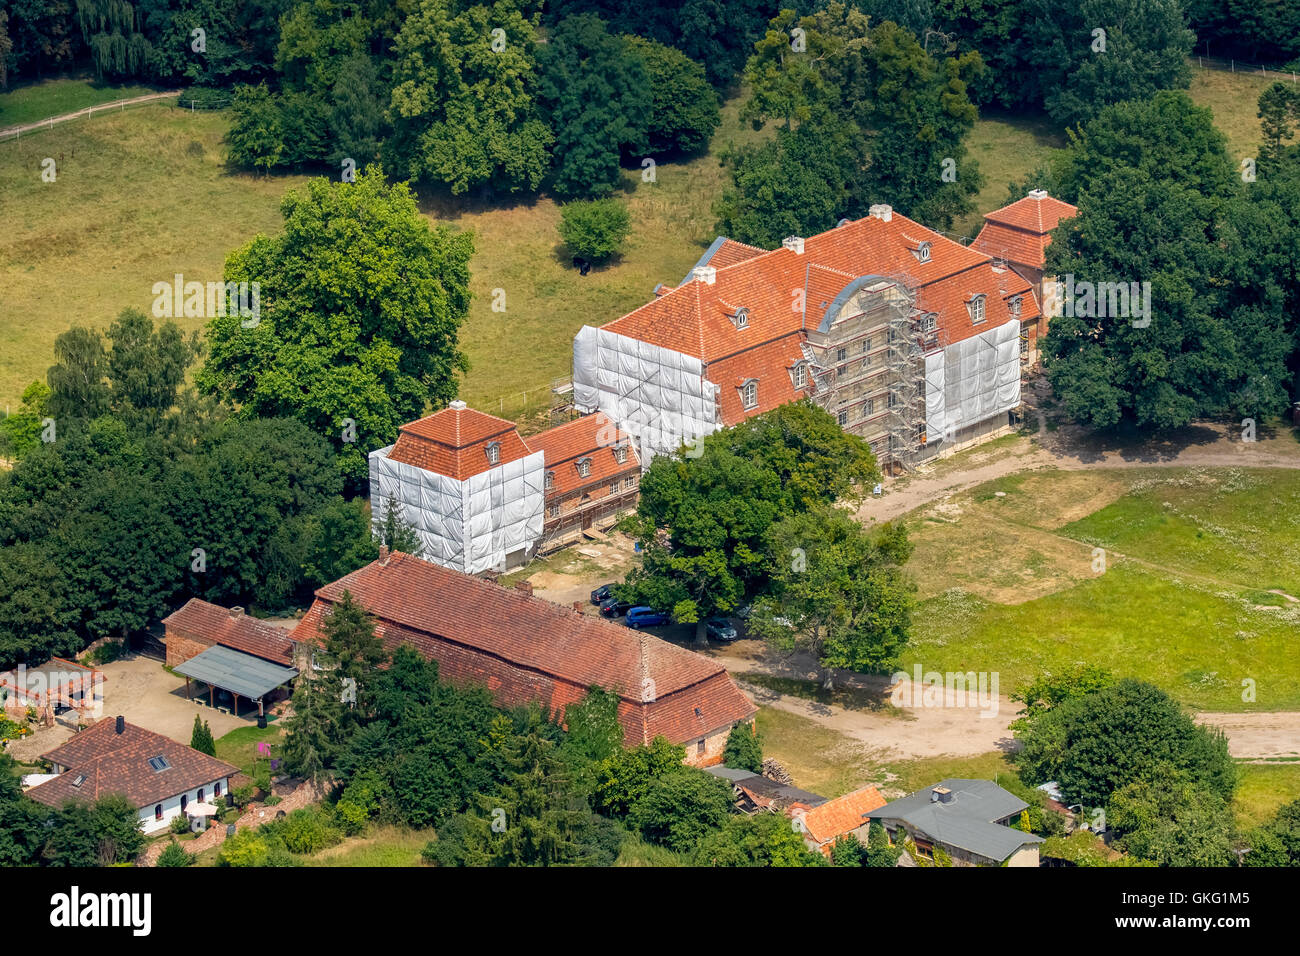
[[562, 408]]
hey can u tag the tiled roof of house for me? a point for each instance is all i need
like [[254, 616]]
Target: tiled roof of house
[[454, 442], [526, 649], [105, 762], [1020, 232], [593, 437], [834, 818], [230, 627], [968, 820]]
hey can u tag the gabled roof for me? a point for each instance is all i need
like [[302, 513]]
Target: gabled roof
[[967, 821], [528, 649], [834, 818], [108, 762], [209, 623], [591, 436], [1020, 232], [454, 442]]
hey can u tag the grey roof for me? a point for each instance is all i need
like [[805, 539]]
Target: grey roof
[[967, 822], [765, 787], [730, 773], [237, 672]]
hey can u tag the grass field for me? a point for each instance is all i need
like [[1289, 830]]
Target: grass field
[[378, 846], [54, 97], [239, 747], [1007, 581]]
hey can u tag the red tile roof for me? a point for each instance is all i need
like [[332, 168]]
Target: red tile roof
[[835, 818], [526, 649], [111, 762], [454, 442], [591, 436], [213, 624], [1020, 232]]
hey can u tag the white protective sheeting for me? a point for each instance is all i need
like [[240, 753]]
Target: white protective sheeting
[[658, 396], [972, 380], [469, 525]]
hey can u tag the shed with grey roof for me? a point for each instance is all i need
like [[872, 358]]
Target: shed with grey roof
[[243, 675]]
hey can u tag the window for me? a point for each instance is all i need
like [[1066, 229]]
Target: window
[[216, 789], [199, 797], [698, 712], [930, 322], [749, 393], [866, 362], [629, 482], [613, 487], [843, 417], [185, 801], [869, 407], [923, 252], [554, 510], [976, 308], [158, 764], [893, 399], [157, 811], [1014, 305], [699, 746], [741, 318], [1024, 343], [800, 375], [80, 779], [866, 345], [584, 467], [550, 480], [620, 454], [841, 354], [493, 452]]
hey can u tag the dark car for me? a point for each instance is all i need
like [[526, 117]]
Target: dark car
[[720, 629], [643, 616], [613, 607], [602, 594]]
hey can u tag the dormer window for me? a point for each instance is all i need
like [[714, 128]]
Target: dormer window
[[493, 452], [550, 480], [1014, 305], [800, 375], [584, 467], [922, 252], [930, 322], [741, 318], [976, 308], [749, 393], [620, 454]]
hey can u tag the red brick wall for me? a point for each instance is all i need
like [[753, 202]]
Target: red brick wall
[[181, 649]]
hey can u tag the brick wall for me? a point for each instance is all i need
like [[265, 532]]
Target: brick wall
[[180, 649]]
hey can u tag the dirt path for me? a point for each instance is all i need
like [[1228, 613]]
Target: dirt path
[[16, 131], [1258, 737], [1203, 445]]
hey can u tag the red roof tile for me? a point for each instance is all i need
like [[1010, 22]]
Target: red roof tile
[[454, 442], [591, 437], [1020, 232], [526, 649], [835, 818], [212, 624], [111, 762]]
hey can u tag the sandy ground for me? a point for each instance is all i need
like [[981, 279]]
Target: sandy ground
[[144, 693], [1258, 736]]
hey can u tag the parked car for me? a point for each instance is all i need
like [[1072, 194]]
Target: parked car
[[643, 616], [602, 594], [613, 607], [720, 629]]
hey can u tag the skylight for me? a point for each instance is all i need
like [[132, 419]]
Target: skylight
[[158, 764]]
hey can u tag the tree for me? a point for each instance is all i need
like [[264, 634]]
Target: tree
[[597, 100], [146, 367], [1279, 112], [1277, 842], [683, 106], [21, 431], [744, 750], [396, 534], [879, 851], [1173, 822], [838, 590], [6, 48], [361, 306], [173, 855], [245, 848], [764, 839], [625, 776], [353, 653], [680, 808], [1143, 49], [256, 137], [848, 851], [1127, 732], [595, 230], [339, 541], [1049, 689], [77, 385], [201, 738], [594, 732], [464, 112]]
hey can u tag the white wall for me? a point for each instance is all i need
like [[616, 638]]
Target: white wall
[[172, 805]]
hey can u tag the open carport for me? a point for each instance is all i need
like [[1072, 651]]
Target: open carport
[[237, 673]]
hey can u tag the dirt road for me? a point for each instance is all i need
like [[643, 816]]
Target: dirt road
[[1260, 737]]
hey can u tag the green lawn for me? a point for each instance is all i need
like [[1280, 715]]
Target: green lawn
[[239, 747], [1262, 789], [1190, 625], [54, 97], [379, 846]]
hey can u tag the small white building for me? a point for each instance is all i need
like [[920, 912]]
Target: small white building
[[161, 777], [469, 485]]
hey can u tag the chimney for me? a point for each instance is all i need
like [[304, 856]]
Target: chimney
[[458, 405], [525, 586], [236, 612], [120, 726], [706, 274], [941, 795], [383, 555], [794, 244], [1038, 194], [882, 212]]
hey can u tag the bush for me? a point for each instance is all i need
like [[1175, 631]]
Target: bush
[[179, 824], [304, 831], [595, 230], [744, 750], [245, 848], [174, 856]]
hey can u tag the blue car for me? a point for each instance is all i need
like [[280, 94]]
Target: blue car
[[643, 616]]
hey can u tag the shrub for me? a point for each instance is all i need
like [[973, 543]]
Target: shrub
[[245, 848], [595, 230], [179, 824], [744, 750], [174, 856], [305, 831]]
